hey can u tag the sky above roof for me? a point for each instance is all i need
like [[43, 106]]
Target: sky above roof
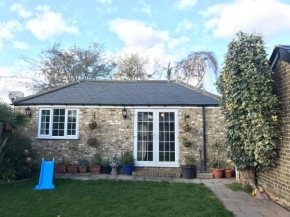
[[165, 29]]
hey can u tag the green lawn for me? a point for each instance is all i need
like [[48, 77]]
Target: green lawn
[[73, 198]]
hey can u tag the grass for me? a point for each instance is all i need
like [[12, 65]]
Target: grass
[[238, 187], [73, 198]]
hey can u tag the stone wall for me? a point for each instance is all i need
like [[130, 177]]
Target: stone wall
[[116, 134], [276, 182]]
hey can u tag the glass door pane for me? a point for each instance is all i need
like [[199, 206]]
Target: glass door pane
[[145, 136], [166, 137]]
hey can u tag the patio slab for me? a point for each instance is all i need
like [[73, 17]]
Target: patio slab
[[240, 203]]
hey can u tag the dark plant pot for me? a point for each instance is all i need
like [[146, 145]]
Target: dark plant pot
[[187, 144], [128, 169], [228, 174], [72, 169], [186, 129], [83, 169], [106, 169], [95, 169], [61, 168], [91, 142], [188, 172], [218, 173]]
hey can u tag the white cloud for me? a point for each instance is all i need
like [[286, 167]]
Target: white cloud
[[148, 40], [106, 2], [183, 26], [8, 83], [147, 9], [48, 24], [269, 17], [20, 10], [7, 30], [20, 45], [183, 4]]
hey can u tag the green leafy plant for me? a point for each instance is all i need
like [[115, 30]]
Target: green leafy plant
[[189, 160], [214, 161], [3, 159], [127, 158], [83, 162], [8, 175], [238, 187], [97, 160], [105, 162], [249, 105]]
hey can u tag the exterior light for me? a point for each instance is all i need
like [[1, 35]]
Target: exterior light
[[124, 112], [28, 112]]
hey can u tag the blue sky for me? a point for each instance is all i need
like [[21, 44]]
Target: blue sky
[[164, 29]]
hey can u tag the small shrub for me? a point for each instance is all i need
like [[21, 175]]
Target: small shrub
[[127, 158], [97, 160], [83, 162], [8, 175], [189, 160]]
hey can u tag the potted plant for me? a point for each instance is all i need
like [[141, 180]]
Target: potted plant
[[92, 125], [186, 141], [186, 127], [188, 169], [72, 168], [216, 169], [60, 167], [92, 141], [83, 164], [127, 163], [106, 169], [96, 164], [228, 172]]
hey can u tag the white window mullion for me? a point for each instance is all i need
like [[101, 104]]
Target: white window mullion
[[51, 122], [65, 122]]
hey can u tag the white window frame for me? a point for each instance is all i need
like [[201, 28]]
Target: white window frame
[[51, 125], [155, 162]]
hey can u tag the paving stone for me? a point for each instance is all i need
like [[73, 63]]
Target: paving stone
[[81, 178], [66, 177], [139, 178], [152, 180], [166, 179], [100, 176], [57, 175], [196, 181], [125, 177], [281, 212], [112, 177], [231, 207], [220, 194], [247, 214], [180, 180], [84, 174]]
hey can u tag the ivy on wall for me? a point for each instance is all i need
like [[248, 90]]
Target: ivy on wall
[[248, 103]]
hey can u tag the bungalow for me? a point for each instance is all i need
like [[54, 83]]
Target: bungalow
[[145, 117]]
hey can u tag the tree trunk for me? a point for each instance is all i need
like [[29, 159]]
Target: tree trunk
[[247, 177]]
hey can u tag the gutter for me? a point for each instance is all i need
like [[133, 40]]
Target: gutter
[[204, 169]]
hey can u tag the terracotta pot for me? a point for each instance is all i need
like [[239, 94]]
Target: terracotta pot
[[187, 144], [83, 169], [218, 173], [228, 174], [61, 168], [91, 142], [95, 169], [72, 169], [186, 129]]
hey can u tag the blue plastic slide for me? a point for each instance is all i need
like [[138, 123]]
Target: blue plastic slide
[[46, 175]]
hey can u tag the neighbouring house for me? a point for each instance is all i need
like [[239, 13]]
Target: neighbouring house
[[145, 117], [276, 181]]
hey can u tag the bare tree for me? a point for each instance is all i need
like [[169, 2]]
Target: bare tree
[[136, 67], [194, 68], [57, 65]]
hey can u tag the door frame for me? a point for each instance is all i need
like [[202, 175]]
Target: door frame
[[155, 162]]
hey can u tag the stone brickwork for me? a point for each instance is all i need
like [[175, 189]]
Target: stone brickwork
[[116, 134], [276, 182]]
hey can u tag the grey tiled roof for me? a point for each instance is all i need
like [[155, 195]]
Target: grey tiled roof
[[123, 93]]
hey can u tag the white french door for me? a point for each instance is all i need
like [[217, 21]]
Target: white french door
[[156, 137]]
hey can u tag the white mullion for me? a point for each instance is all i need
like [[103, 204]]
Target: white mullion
[[65, 122], [51, 122]]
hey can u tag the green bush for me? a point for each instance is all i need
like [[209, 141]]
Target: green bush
[[127, 158], [83, 162], [97, 160], [8, 175], [14, 152], [189, 160], [105, 162]]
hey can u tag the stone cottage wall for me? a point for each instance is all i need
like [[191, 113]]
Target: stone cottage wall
[[276, 182], [116, 134]]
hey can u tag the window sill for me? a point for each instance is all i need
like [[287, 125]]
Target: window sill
[[59, 138]]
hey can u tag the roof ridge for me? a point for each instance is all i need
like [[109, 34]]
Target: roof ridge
[[209, 94], [45, 92], [130, 81]]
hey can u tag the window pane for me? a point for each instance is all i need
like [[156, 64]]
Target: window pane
[[58, 122], [44, 122], [71, 124]]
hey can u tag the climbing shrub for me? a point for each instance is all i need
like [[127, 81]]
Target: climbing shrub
[[248, 103], [18, 151]]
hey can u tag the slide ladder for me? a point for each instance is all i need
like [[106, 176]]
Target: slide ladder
[[46, 175]]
